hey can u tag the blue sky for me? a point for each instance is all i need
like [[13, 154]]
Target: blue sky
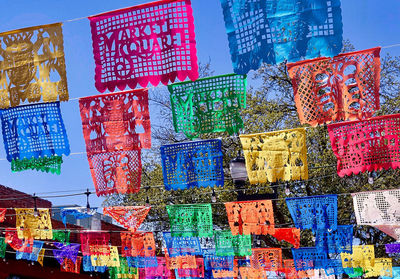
[[367, 23]]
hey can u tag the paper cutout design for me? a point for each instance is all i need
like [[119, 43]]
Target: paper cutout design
[[366, 145], [32, 65], [182, 262], [197, 272], [392, 248], [251, 217], [227, 244], [382, 267], [161, 271], [16, 243], [66, 251], [116, 121], [131, 217], [3, 247], [291, 235], [50, 164], [116, 172], [252, 273], [321, 274], [95, 243], [345, 87], [30, 256], [88, 267], [40, 258], [354, 272], [61, 235], [106, 260], [30, 226], [2, 214], [190, 220], [139, 248], [363, 256], [208, 105], [34, 131], [192, 164], [395, 273], [268, 259], [291, 272], [69, 266], [332, 267], [182, 246], [306, 258], [153, 42], [335, 241], [124, 271], [77, 212], [273, 156], [272, 32], [316, 212]]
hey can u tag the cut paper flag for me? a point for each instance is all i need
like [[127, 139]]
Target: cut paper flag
[[70, 266], [69, 251], [161, 271], [40, 258], [273, 32], [227, 244], [306, 258], [252, 273], [32, 65], [182, 262], [50, 164], [291, 235], [382, 267], [251, 217], [273, 156], [192, 164], [345, 87], [31, 226], [139, 248], [197, 272], [88, 267], [30, 256], [332, 267], [190, 220], [2, 214], [335, 241], [124, 271], [380, 209], [153, 42], [95, 243], [213, 262], [366, 145], [392, 248], [208, 105], [111, 260], [268, 259], [315, 212], [3, 247], [33, 132], [291, 272], [77, 213], [182, 246], [18, 244], [362, 256], [395, 273], [131, 217], [61, 236]]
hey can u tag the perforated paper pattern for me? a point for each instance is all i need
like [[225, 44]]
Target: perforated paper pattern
[[291, 272], [138, 244], [382, 267], [192, 164], [50, 164], [197, 272], [34, 131], [116, 172], [251, 217], [116, 121], [16, 243], [181, 246], [252, 273], [335, 241], [63, 251], [395, 273], [366, 145], [272, 32], [124, 271], [354, 272], [111, 260], [363, 256], [190, 220], [306, 258], [30, 226], [77, 213], [345, 87], [153, 42], [87, 266], [182, 262], [2, 214], [227, 244], [95, 243], [377, 207], [161, 271], [392, 248], [3, 246], [280, 155], [268, 259], [291, 235], [31, 255], [315, 212], [40, 258], [208, 105], [69, 266], [332, 267], [131, 217], [32, 65]]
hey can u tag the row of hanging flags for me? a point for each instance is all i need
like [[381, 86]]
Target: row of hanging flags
[[155, 43], [193, 249]]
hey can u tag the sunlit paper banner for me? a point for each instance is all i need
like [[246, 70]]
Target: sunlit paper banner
[[77, 213], [50, 164], [335, 241], [32, 65], [278, 155], [88, 267], [95, 243], [362, 256], [251, 217], [192, 164], [395, 273], [2, 214], [63, 251], [30, 226], [153, 42], [111, 260], [345, 87], [124, 271], [306, 258], [291, 235], [182, 246], [367, 145], [227, 244], [69, 266], [197, 272], [161, 271], [268, 259], [3, 247], [18, 244], [382, 267], [273, 32], [208, 105], [291, 272], [30, 256], [131, 217]]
